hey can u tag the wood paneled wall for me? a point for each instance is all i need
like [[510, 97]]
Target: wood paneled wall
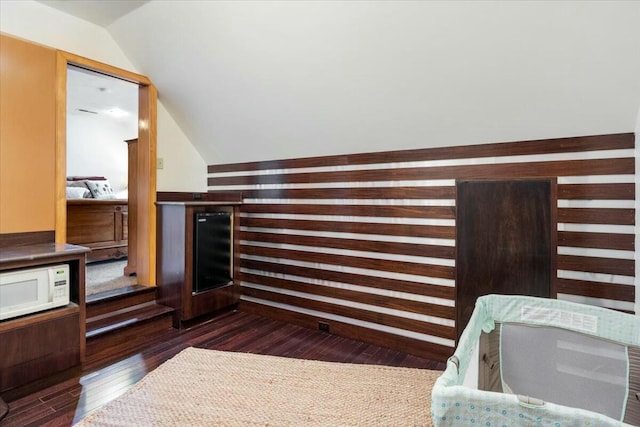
[[27, 136], [366, 242]]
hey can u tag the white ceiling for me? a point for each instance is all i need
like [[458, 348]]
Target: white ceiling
[[261, 80], [99, 12], [91, 93]]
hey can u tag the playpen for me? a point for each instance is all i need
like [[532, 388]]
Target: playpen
[[525, 361]]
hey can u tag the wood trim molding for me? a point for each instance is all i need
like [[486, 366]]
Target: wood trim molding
[[61, 149], [101, 67], [212, 196], [146, 227]]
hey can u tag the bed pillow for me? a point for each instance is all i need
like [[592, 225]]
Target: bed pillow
[[82, 185], [100, 189], [78, 193]]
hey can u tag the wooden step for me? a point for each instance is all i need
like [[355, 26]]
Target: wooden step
[[126, 330], [108, 322], [117, 299]]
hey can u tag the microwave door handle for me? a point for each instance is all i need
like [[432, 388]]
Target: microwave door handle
[[52, 278]]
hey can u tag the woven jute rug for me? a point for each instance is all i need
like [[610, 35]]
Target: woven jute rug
[[214, 388]]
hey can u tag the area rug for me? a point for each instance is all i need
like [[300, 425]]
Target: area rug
[[216, 388]]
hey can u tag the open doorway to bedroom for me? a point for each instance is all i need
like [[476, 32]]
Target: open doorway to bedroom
[[142, 170], [102, 123]]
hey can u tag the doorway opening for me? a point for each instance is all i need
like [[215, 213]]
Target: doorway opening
[[102, 121], [141, 198]]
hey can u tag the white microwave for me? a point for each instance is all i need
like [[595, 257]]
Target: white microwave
[[31, 290]]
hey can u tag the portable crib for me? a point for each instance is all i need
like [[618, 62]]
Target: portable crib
[[525, 361]]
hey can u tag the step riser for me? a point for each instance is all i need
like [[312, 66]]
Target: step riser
[[127, 339], [98, 309]]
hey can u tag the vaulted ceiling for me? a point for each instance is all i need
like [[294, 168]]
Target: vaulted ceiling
[[101, 13], [260, 80]]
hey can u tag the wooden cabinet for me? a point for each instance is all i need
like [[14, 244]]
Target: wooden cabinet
[[39, 345], [175, 261], [101, 225]]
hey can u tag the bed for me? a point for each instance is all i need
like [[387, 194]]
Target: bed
[[524, 361], [96, 218]]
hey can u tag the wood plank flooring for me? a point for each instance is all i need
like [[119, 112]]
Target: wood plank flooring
[[70, 400]]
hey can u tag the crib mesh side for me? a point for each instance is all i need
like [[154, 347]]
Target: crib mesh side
[[455, 402], [564, 367]]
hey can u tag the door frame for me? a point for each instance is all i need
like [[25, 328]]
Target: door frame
[[146, 165]]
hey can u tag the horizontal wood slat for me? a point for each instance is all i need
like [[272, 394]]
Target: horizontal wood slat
[[488, 171], [354, 193], [624, 242], [597, 216], [397, 285], [427, 270], [597, 191], [409, 345], [435, 212], [597, 290], [384, 186], [384, 301], [354, 313], [519, 148], [624, 267], [447, 252], [427, 231]]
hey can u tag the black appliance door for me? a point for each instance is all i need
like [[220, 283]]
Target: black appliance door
[[212, 250]]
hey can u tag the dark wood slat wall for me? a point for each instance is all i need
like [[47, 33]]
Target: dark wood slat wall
[[366, 242]]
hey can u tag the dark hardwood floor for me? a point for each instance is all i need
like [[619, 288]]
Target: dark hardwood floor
[[70, 400]]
